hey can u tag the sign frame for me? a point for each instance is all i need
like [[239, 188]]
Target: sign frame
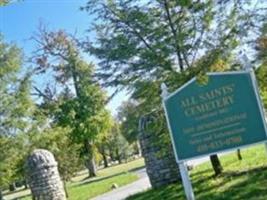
[[252, 77]]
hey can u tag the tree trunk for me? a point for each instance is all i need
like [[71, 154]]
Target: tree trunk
[[65, 189], [217, 167], [105, 159], [111, 154], [90, 162], [1, 195], [118, 156], [12, 187], [25, 184], [103, 153], [139, 148], [239, 154], [91, 167]]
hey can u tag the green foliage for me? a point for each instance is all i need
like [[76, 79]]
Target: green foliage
[[128, 115], [141, 44], [114, 145], [10, 61], [155, 40], [261, 72], [79, 102], [4, 2], [262, 45], [5, 169], [12, 90], [85, 115], [66, 152], [13, 153], [118, 145], [16, 108]]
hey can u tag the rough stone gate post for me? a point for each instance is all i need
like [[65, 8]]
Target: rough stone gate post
[[43, 176]]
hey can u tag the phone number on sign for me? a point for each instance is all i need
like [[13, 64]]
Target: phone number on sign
[[218, 144]]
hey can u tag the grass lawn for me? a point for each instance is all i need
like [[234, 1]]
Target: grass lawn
[[241, 180], [82, 188], [96, 187], [117, 169]]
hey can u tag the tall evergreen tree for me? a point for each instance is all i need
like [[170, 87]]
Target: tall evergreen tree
[[79, 102], [141, 44], [16, 108], [128, 115]]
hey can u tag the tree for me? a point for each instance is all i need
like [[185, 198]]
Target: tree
[[156, 40], [16, 108], [114, 145], [4, 2], [261, 71], [141, 44], [5, 169], [12, 89], [80, 102], [118, 145], [128, 115], [102, 146]]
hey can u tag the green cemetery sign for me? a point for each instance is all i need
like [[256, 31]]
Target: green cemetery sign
[[225, 113]]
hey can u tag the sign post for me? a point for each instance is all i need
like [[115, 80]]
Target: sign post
[[182, 166]]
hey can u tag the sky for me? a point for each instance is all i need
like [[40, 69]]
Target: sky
[[20, 20]]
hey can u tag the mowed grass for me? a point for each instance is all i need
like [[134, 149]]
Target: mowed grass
[[120, 174], [116, 169], [91, 189], [241, 180], [82, 188]]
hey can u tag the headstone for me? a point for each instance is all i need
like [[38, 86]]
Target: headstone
[[43, 176], [161, 166]]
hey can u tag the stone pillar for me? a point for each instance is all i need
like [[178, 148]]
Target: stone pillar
[[43, 176], [161, 165]]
